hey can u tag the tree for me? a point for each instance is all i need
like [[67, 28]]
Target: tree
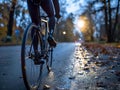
[[89, 21], [11, 20], [110, 22], [110, 13], [14, 16], [64, 30], [116, 20], [4, 9]]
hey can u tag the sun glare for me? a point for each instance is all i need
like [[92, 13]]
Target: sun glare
[[81, 23]]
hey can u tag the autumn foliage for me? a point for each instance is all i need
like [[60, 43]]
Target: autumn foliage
[[98, 49]]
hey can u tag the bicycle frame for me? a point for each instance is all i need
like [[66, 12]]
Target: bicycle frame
[[46, 31], [47, 49]]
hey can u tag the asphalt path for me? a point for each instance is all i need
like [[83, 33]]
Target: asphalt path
[[74, 68], [11, 75]]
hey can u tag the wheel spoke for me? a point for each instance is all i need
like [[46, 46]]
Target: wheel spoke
[[31, 72]]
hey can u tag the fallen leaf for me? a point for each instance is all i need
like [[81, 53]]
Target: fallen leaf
[[46, 87]]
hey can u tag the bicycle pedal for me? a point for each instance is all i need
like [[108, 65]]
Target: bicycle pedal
[[43, 56], [31, 56], [38, 62]]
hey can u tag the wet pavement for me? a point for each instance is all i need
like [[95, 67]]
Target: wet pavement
[[75, 67], [96, 72], [10, 68]]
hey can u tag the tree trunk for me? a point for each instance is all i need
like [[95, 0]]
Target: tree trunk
[[110, 37], [106, 19], [11, 18], [116, 20]]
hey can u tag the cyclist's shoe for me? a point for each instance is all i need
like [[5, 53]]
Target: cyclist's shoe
[[51, 40]]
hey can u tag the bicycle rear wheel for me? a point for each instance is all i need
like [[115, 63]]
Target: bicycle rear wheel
[[31, 72]]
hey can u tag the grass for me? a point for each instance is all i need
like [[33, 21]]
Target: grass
[[10, 43]]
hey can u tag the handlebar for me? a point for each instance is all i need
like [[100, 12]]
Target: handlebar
[[58, 20]]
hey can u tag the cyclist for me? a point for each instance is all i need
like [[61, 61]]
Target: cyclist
[[52, 9]]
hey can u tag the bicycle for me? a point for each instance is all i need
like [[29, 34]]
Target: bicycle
[[30, 70]]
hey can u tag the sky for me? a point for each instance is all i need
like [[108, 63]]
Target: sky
[[73, 7]]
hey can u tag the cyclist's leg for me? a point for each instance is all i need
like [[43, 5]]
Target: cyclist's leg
[[35, 17], [57, 8], [48, 7], [34, 12]]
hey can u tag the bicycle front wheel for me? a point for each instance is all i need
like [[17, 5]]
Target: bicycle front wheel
[[49, 59], [30, 71]]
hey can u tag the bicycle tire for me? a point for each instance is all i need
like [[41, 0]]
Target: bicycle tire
[[31, 72], [49, 59]]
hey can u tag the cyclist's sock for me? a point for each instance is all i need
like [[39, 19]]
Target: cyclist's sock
[[51, 32]]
